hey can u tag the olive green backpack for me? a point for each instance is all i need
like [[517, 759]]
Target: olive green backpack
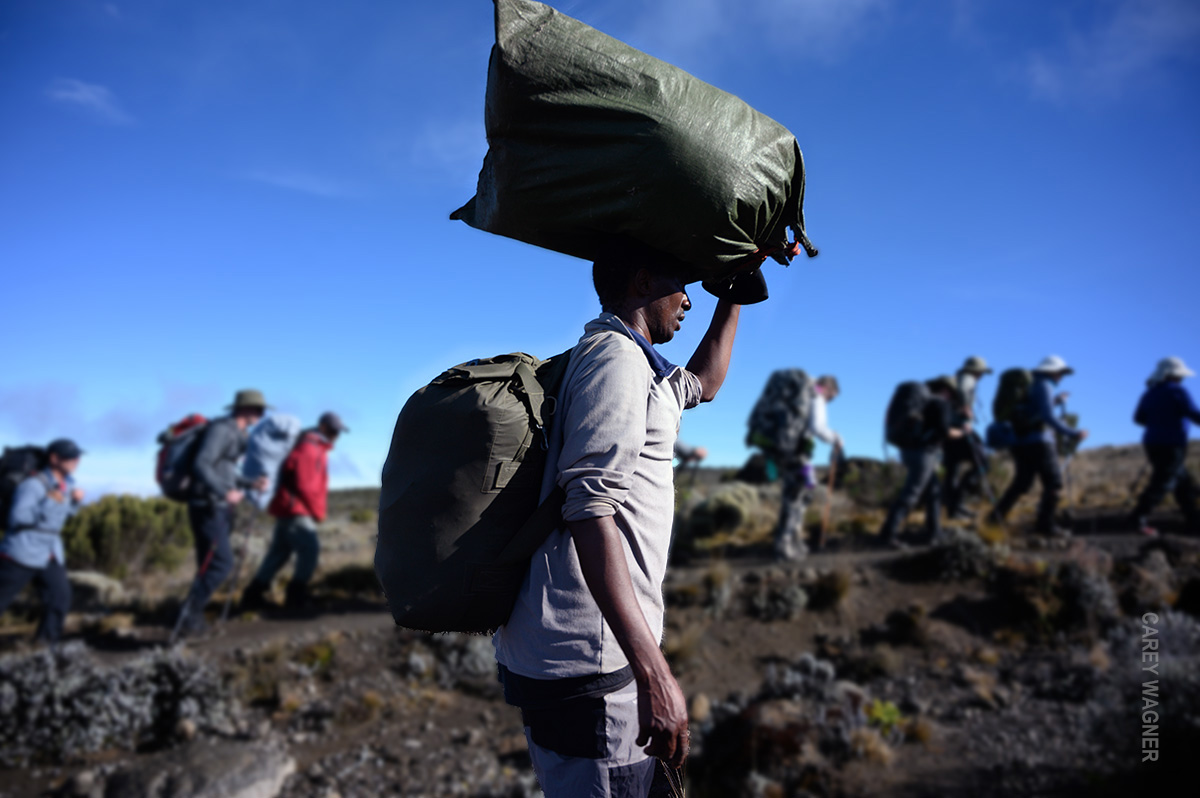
[[459, 516]]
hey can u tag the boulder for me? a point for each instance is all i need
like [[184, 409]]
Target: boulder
[[221, 769], [94, 591]]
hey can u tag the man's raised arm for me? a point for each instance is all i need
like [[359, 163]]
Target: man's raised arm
[[710, 362]]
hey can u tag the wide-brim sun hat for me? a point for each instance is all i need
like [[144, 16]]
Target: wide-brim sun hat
[[1053, 364], [975, 365], [1171, 367], [249, 398]]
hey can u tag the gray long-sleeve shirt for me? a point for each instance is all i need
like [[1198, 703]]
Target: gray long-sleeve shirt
[[215, 469], [611, 447]]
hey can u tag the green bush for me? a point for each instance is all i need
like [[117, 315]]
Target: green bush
[[120, 535], [362, 516]]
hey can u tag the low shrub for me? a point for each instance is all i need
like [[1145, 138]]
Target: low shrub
[[120, 535]]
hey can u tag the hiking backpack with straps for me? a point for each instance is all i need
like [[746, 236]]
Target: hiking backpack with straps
[[782, 413], [177, 449], [459, 516], [1011, 404], [267, 446], [905, 421], [17, 464]]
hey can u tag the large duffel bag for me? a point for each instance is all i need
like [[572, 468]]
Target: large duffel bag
[[590, 138], [459, 516]]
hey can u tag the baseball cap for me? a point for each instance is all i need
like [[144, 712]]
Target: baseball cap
[[333, 421]]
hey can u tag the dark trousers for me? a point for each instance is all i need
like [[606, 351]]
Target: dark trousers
[[1035, 461], [956, 452], [53, 589], [211, 524], [1170, 474], [920, 487]]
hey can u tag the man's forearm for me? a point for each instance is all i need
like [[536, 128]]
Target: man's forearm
[[710, 363], [602, 560]]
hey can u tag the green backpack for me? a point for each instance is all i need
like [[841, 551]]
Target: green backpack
[[1011, 404], [459, 516]]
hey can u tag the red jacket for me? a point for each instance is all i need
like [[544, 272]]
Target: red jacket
[[303, 479]]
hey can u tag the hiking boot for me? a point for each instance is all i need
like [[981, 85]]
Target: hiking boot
[[1142, 524], [297, 600], [961, 514], [939, 538], [892, 543], [253, 597], [793, 553], [195, 629], [1055, 532]]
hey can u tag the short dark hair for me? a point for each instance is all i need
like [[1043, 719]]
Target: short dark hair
[[829, 383], [618, 260]]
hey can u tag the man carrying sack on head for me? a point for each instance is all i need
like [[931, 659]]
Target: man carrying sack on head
[[580, 652]]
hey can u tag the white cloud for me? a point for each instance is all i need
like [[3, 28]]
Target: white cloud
[[700, 29], [455, 147], [304, 182], [1129, 42], [94, 99]]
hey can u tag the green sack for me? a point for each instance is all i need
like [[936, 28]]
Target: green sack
[[590, 138], [459, 516]]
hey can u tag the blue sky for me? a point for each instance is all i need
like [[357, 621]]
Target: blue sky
[[196, 198]]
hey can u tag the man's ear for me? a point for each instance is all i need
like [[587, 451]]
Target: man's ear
[[643, 283]]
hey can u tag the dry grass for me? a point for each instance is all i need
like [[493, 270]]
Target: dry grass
[[830, 590], [919, 730], [867, 743], [682, 645]]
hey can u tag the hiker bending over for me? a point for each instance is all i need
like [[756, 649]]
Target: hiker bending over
[[796, 470], [216, 490], [580, 653], [298, 505], [965, 450], [32, 547], [1035, 451], [1165, 410], [921, 453]]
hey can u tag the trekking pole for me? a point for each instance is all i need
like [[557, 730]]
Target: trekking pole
[[977, 456], [186, 610], [237, 568], [1070, 516]]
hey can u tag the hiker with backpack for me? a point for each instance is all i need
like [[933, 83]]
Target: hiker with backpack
[[299, 504], [580, 650], [919, 421], [789, 417], [1165, 410], [968, 448], [214, 491], [32, 547], [1025, 401]]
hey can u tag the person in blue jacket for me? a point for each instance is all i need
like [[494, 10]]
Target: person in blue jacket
[[1036, 451], [32, 548], [1165, 410]]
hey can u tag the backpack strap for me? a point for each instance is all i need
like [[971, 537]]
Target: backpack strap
[[545, 519], [548, 515]]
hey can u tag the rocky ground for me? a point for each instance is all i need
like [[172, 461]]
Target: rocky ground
[[993, 664]]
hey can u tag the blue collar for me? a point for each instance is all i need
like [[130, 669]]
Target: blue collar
[[659, 364]]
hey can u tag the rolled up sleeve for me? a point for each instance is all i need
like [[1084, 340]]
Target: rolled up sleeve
[[605, 425]]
